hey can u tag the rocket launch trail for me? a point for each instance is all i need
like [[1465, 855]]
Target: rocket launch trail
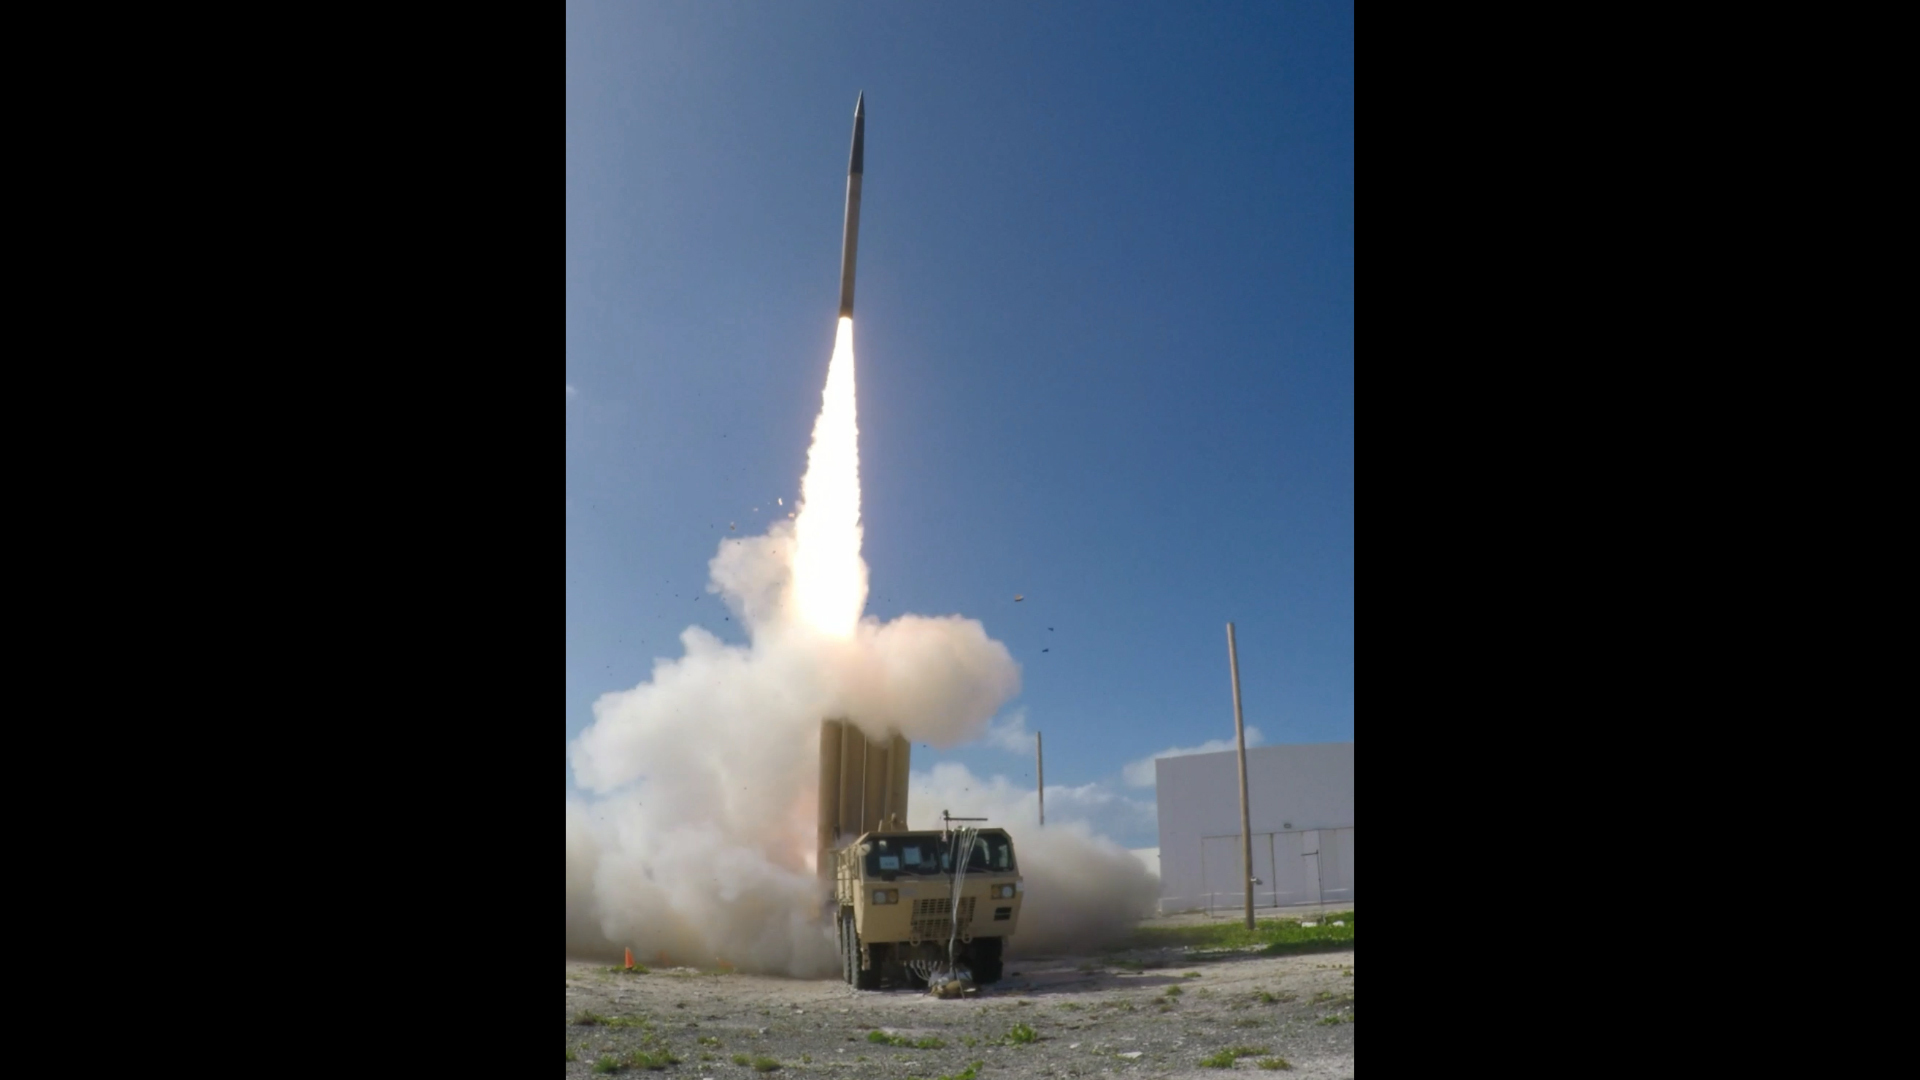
[[829, 577], [851, 239]]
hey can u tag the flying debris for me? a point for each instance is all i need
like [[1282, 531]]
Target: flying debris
[[1017, 598]]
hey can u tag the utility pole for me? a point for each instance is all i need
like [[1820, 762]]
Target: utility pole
[[1240, 736], [1040, 767]]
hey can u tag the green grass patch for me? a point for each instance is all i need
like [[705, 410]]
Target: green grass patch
[[1278, 936], [742, 1059], [1174, 991], [708, 1040], [608, 1064], [589, 1019], [570, 1054], [881, 1038], [1329, 1021], [765, 1064], [1274, 1063], [637, 969], [1021, 1035], [626, 1021], [652, 1059], [1225, 1058], [971, 1072], [1191, 975]]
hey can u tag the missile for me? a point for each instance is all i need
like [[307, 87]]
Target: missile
[[851, 240]]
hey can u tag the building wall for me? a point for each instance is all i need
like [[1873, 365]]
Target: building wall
[[1300, 801]]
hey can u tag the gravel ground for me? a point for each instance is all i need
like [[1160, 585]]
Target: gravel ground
[[1086, 1012]]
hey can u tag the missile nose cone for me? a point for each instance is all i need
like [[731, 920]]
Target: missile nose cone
[[855, 164]]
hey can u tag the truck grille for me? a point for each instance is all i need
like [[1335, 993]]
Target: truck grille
[[933, 919], [942, 907]]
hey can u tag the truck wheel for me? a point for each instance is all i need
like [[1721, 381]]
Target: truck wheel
[[986, 959]]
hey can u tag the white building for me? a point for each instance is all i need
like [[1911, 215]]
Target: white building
[[1300, 799]]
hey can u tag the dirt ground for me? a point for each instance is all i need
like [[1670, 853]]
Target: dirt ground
[[1087, 1013]]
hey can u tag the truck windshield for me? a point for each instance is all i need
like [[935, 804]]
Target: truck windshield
[[904, 855], [992, 853]]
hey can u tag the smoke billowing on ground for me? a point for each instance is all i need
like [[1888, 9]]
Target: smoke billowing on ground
[[697, 841]]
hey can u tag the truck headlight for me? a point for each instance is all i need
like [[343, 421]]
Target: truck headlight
[[886, 896], [1002, 892]]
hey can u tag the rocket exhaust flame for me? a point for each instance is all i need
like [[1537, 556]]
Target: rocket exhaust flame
[[829, 577]]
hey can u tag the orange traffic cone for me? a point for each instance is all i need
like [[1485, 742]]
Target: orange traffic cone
[[629, 957]]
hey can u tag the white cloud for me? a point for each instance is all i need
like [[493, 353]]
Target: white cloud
[[1010, 733], [571, 392], [1096, 806], [1140, 773]]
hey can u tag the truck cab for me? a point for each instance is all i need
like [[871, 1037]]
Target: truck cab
[[896, 892]]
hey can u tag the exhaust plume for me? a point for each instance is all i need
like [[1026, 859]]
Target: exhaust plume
[[697, 843], [829, 577]]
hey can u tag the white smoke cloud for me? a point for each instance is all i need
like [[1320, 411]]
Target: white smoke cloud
[[952, 786], [702, 846], [1083, 891], [696, 840], [1010, 733], [1140, 773]]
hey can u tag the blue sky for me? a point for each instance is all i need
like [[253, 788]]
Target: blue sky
[[1104, 338]]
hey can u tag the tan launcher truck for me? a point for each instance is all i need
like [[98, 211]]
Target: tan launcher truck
[[891, 890]]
